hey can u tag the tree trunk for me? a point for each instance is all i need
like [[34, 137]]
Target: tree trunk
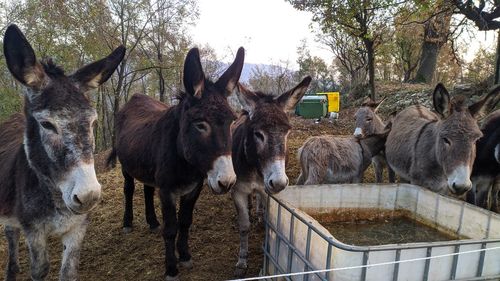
[[161, 79], [428, 62], [117, 95], [161, 84], [371, 66], [497, 62], [435, 34]]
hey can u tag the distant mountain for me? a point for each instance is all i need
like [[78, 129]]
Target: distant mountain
[[248, 68]]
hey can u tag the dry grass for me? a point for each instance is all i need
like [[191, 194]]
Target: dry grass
[[108, 254]]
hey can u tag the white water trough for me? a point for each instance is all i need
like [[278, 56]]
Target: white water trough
[[295, 242]]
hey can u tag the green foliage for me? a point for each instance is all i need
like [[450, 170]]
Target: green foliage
[[77, 32], [481, 68], [323, 80], [10, 102], [273, 79]]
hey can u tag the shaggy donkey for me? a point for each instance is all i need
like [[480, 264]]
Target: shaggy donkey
[[368, 123], [260, 152], [487, 164], [175, 148], [338, 159], [47, 178], [437, 150]]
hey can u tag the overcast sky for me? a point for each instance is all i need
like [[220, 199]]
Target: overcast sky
[[270, 31]]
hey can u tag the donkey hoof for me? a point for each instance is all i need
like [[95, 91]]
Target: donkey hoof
[[155, 229], [172, 278], [240, 272], [127, 229], [186, 264]]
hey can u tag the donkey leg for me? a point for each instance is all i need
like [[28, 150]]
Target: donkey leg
[[168, 210], [316, 175], [484, 185], [301, 179], [392, 174], [128, 190], [39, 256], [72, 243], [241, 201], [495, 195], [259, 207], [12, 235], [149, 196], [185, 220], [379, 170]]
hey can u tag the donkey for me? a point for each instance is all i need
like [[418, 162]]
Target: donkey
[[338, 159], [47, 178], [260, 152], [368, 123], [175, 148], [437, 150], [487, 164]]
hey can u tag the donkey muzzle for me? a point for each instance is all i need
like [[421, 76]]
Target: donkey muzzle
[[497, 153], [358, 132], [275, 178], [222, 176], [82, 191], [459, 181]]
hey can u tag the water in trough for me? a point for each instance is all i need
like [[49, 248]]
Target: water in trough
[[370, 227]]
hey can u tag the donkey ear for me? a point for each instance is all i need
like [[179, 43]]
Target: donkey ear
[[485, 104], [21, 59], [94, 74], [441, 100], [230, 77], [247, 98], [194, 77], [289, 99]]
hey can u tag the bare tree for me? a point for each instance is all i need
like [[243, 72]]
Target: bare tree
[[436, 31], [273, 79]]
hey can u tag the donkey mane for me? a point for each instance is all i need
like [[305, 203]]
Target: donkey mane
[[459, 103], [51, 69], [491, 123]]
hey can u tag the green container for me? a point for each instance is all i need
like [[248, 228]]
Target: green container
[[312, 107]]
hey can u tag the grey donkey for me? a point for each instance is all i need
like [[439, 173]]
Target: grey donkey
[[368, 122], [338, 159], [48, 184], [436, 150], [260, 152]]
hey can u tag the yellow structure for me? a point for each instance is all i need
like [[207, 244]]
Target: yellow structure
[[333, 101]]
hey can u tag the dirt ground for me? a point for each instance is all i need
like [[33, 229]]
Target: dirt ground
[[108, 254]]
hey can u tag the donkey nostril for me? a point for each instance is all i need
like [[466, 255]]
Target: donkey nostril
[[221, 185], [271, 183], [77, 200]]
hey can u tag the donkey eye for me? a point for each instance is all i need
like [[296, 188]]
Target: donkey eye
[[259, 136], [369, 119], [48, 126], [201, 126], [446, 141]]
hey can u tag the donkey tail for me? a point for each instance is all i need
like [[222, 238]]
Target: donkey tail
[[111, 161], [303, 168]]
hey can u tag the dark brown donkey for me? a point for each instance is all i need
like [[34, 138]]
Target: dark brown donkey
[[260, 152], [437, 150], [486, 165], [47, 178], [176, 148]]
